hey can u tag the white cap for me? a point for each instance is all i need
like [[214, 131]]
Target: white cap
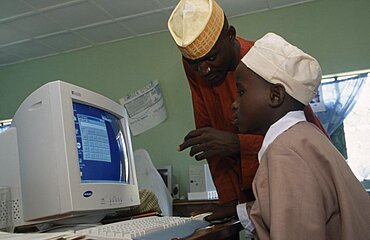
[[277, 61], [195, 25]]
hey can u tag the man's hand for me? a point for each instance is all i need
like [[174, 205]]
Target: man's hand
[[209, 142], [222, 213]]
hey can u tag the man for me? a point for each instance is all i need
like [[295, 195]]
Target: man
[[304, 188], [211, 51]]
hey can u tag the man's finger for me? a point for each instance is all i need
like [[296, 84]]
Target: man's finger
[[200, 156], [193, 134], [196, 149], [190, 143]]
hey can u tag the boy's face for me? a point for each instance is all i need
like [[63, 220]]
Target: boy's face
[[252, 102]]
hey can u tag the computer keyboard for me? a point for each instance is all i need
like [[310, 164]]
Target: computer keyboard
[[153, 227]]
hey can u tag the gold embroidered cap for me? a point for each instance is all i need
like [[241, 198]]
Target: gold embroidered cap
[[195, 25], [277, 61]]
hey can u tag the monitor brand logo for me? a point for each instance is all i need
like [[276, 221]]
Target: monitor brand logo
[[87, 194]]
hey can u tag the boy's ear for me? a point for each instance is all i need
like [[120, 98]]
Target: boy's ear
[[277, 95]]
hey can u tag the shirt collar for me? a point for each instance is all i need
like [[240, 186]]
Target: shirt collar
[[290, 119]]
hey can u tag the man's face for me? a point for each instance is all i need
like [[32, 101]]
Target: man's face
[[251, 105], [214, 66]]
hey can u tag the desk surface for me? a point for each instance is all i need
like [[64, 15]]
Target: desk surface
[[228, 230], [187, 208]]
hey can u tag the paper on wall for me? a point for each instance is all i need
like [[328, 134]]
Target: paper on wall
[[145, 108]]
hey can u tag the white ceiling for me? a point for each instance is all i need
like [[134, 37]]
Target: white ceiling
[[31, 29]]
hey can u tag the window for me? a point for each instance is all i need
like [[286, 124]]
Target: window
[[357, 130], [343, 108]]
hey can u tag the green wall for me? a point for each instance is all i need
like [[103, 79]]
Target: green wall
[[336, 32]]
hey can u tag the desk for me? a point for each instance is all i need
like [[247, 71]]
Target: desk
[[185, 208], [228, 230]]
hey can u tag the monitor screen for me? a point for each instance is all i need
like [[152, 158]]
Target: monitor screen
[[101, 147]]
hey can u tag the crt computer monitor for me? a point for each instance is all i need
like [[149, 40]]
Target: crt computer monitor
[[68, 155]]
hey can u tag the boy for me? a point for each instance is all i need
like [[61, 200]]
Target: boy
[[304, 189]]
